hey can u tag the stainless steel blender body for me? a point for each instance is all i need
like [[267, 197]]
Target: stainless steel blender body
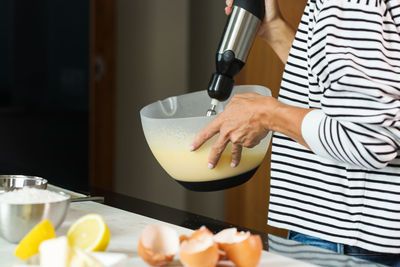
[[239, 33]]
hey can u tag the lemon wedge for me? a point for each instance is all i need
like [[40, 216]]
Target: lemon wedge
[[89, 233], [29, 245]]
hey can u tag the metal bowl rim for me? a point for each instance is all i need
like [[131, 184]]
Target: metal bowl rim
[[26, 177]]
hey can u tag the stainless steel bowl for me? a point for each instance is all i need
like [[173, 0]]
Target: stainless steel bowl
[[16, 220], [11, 182]]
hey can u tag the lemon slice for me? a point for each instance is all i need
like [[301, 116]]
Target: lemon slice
[[29, 245], [89, 233]]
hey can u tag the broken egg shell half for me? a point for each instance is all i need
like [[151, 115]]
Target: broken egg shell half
[[158, 244], [202, 230], [241, 248], [199, 251]]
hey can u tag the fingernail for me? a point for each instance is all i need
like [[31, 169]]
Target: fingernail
[[191, 148], [210, 166], [233, 164]]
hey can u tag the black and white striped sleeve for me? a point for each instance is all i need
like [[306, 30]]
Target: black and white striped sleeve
[[354, 54]]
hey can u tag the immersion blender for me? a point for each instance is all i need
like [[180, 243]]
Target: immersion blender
[[239, 33]]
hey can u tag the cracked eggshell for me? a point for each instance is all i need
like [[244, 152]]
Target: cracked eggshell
[[199, 251], [195, 234], [158, 244], [241, 248]]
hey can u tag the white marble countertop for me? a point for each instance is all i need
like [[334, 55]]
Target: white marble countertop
[[125, 228]]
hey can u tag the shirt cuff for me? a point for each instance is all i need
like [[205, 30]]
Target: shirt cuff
[[310, 131]]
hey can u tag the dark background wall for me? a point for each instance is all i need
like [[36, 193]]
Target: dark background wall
[[44, 105], [164, 48]]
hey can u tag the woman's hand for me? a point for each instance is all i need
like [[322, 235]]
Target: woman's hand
[[274, 29], [243, 123], [272, 15], [246, 120]]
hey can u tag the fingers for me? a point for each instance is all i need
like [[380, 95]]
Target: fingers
[[216, 151], [229, 3], [228, 8], [236, 155], [205, 134]]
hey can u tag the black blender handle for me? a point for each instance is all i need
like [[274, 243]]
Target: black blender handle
[[255, 7]]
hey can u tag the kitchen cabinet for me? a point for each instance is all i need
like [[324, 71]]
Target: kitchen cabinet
[[56, 90], [102, 92], [44, 91]]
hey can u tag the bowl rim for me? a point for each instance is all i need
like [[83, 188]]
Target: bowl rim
[[237, 89], [21, 176]]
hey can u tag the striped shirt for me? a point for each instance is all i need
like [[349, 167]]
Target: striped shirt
[[345, 64]]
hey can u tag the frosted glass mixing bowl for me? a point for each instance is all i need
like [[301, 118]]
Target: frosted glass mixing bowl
[[171, 124]]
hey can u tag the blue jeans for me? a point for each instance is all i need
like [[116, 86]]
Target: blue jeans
[[382, 258]]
